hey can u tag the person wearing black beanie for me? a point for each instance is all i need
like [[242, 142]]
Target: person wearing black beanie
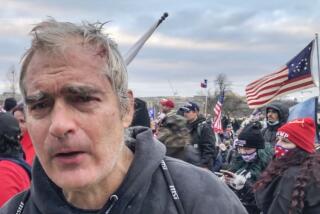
[[251, 137], [252, 158], [9, 103]]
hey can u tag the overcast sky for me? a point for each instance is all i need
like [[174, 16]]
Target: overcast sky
[[200, 39]]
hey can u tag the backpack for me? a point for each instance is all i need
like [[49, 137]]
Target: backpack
[[200, 127], [20, 162]]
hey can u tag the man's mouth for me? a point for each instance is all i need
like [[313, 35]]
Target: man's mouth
[[69, 158], [68, 154]]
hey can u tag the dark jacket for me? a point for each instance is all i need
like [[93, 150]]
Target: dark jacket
[[186, 153], [252, 171], [144, 189], [269, 133], [204, 140], [275, 198], [141, 114]]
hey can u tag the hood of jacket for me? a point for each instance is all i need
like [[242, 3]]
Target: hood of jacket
[[146, 150], [283, 112]]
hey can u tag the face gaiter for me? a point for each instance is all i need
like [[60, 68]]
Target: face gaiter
[[249, 157], [280, 151]]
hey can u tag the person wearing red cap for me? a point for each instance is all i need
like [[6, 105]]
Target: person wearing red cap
[[166, 110], [291, 182]]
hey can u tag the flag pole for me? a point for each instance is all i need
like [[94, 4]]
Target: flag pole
[[317, 43], [205, 107], [133, 51]]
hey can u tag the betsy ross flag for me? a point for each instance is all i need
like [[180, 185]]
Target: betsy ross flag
[[216, 125], [204, 83], [294, 76]]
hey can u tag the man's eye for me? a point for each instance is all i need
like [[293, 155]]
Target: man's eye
[[83, 99], [39, 106]]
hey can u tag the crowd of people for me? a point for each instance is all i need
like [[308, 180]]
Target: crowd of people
[[79, 142]]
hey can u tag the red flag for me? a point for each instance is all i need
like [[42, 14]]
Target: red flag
[[216, 125], [295, 75], [204, 84]]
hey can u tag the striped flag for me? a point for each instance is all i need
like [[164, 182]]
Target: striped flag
[[216, 125], [294, 76]]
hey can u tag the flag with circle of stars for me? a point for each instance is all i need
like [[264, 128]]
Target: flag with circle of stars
[[300, 65]]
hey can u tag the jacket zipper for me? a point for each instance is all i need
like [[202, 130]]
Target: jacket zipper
[[113, 199]]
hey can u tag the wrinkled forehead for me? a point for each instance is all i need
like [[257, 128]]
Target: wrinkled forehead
[[73, 55], [75, 65]]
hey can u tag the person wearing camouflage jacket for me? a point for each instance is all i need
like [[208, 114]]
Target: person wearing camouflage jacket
[[174, 134]]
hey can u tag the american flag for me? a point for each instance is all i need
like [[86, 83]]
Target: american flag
[[204, 83], [294, 76], [216, 125]]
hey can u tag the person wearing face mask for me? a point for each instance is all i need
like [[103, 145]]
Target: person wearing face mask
[[252, 158], [291, 183], [276, 115]]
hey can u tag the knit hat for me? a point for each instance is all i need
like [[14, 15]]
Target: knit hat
[[9, 127], [300, 132], [9, 103], [190, 106], [251, 136], [167, 103]]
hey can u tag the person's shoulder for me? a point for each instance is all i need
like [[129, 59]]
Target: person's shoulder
[[201, 191], [12, 169], [291, 172], [12, 205]]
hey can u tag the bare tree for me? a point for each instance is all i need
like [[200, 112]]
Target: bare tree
[[222, 83], [12, 78]]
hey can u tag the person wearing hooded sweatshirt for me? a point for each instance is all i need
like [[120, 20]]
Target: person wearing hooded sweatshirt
[[253, 157], [276, 115], [74, 82], [14, 172], [291, 183]]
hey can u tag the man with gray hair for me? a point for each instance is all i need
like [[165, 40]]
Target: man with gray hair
[[74, 83]]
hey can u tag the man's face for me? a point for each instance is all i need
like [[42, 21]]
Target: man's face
[[21, 119], [73, 117], [190, 115], [164, 109], [272, 115]]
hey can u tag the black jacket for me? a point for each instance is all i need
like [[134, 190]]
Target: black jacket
[[204, 140], [141, 114], [269, 133], [275, 198], [144, 189]]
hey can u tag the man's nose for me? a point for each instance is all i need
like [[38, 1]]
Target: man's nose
[[62, 120]]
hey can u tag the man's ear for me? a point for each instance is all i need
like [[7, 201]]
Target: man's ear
[[128, 115]]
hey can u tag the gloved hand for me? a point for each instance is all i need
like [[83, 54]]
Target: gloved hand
[[237, 182]]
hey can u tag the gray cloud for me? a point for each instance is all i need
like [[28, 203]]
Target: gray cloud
[[200, 39]]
